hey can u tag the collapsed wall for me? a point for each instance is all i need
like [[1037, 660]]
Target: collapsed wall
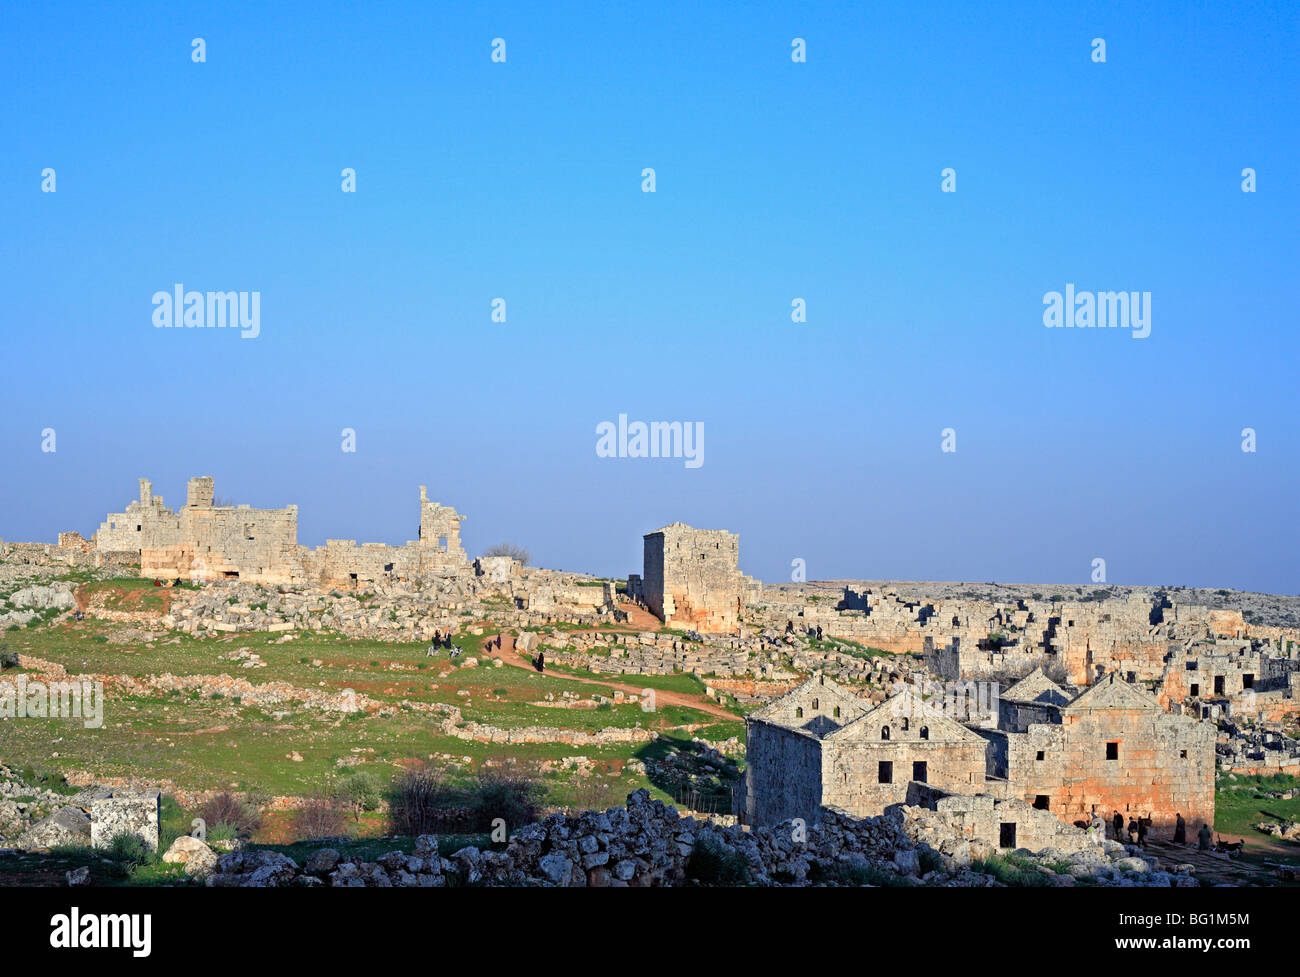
[[691, 578], [203, 541]]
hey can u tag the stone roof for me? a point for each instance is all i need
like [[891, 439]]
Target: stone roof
[[907, 704], [1113, 693], [1037, 687]]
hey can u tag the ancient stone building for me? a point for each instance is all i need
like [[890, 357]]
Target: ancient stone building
[[821, 746], [1111, 748], [691, 578], [1240, 677], [202, 541], [977, 639]]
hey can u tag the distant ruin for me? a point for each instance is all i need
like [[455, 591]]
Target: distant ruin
[[691, 578], [202, 541]]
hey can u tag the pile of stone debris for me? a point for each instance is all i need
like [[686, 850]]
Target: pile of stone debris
[[647, 843]]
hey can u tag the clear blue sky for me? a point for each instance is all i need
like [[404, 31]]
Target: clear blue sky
[[775, 180]]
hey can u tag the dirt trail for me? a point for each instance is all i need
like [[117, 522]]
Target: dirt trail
[[511, 656]]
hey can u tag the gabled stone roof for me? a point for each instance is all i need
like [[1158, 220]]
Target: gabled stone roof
[[828, 695], [1037, 687], [1113, 693], [906, 704]]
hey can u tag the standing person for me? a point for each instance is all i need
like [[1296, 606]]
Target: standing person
[[1118, 824], [541, 660], [1203, 837], [1142, 831], [1180, 830], [1132, 830]]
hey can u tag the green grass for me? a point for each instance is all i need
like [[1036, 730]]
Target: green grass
[[1242, 804], [1012, 870], [182, 740]]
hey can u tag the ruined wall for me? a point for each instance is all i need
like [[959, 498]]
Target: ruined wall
[[783, 774], [1005, 824], [206, 542], [851, 763], [1163, 765], [210, 543], [691, 578]]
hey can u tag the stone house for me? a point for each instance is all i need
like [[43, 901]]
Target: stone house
[[821, 746], [691, 578], [1113, 747], [1110, 748]]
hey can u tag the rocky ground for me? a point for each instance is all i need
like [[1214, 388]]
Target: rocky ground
[[647, 843]]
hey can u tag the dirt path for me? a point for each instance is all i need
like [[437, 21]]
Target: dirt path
[[1208, 865], [511, 656]]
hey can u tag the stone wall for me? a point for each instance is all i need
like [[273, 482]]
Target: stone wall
[[206, 542], [691, 578], [783, 775]]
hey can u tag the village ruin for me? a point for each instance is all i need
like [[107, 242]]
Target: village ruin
[[957, 718]]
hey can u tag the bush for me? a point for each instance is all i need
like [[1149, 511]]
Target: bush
[[513, 797], [320, 817], [241, 816], [8, 657], [358, 791], [713, 863], [857, 874], [128, 852], [512, 550], [421, 801], [221, 832]]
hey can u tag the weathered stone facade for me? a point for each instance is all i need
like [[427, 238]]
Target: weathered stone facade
[[205, 542], [691, 578], [821, 746], [1111, 748]]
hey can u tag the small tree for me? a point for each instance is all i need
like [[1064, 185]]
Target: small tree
[[512, 550], [359, 791], [243, 818]]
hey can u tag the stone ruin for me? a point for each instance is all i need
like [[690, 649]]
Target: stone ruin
[[691, 579], [1111, 748], [202, 542]]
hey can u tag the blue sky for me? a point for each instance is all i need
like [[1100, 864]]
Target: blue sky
[[774, 180]]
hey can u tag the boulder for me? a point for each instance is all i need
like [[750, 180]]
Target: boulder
[[198, 859], [66, 826]]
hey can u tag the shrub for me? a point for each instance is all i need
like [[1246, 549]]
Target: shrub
[[242, 817], [358, 791], [127, 852], [320, 817], [713, 863], [221, 832], [8, 657], [421, 801], [514, 797], [857, 873], [1012, 871]]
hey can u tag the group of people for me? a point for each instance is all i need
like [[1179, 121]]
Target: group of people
[[1138, 828], [811, 632]]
